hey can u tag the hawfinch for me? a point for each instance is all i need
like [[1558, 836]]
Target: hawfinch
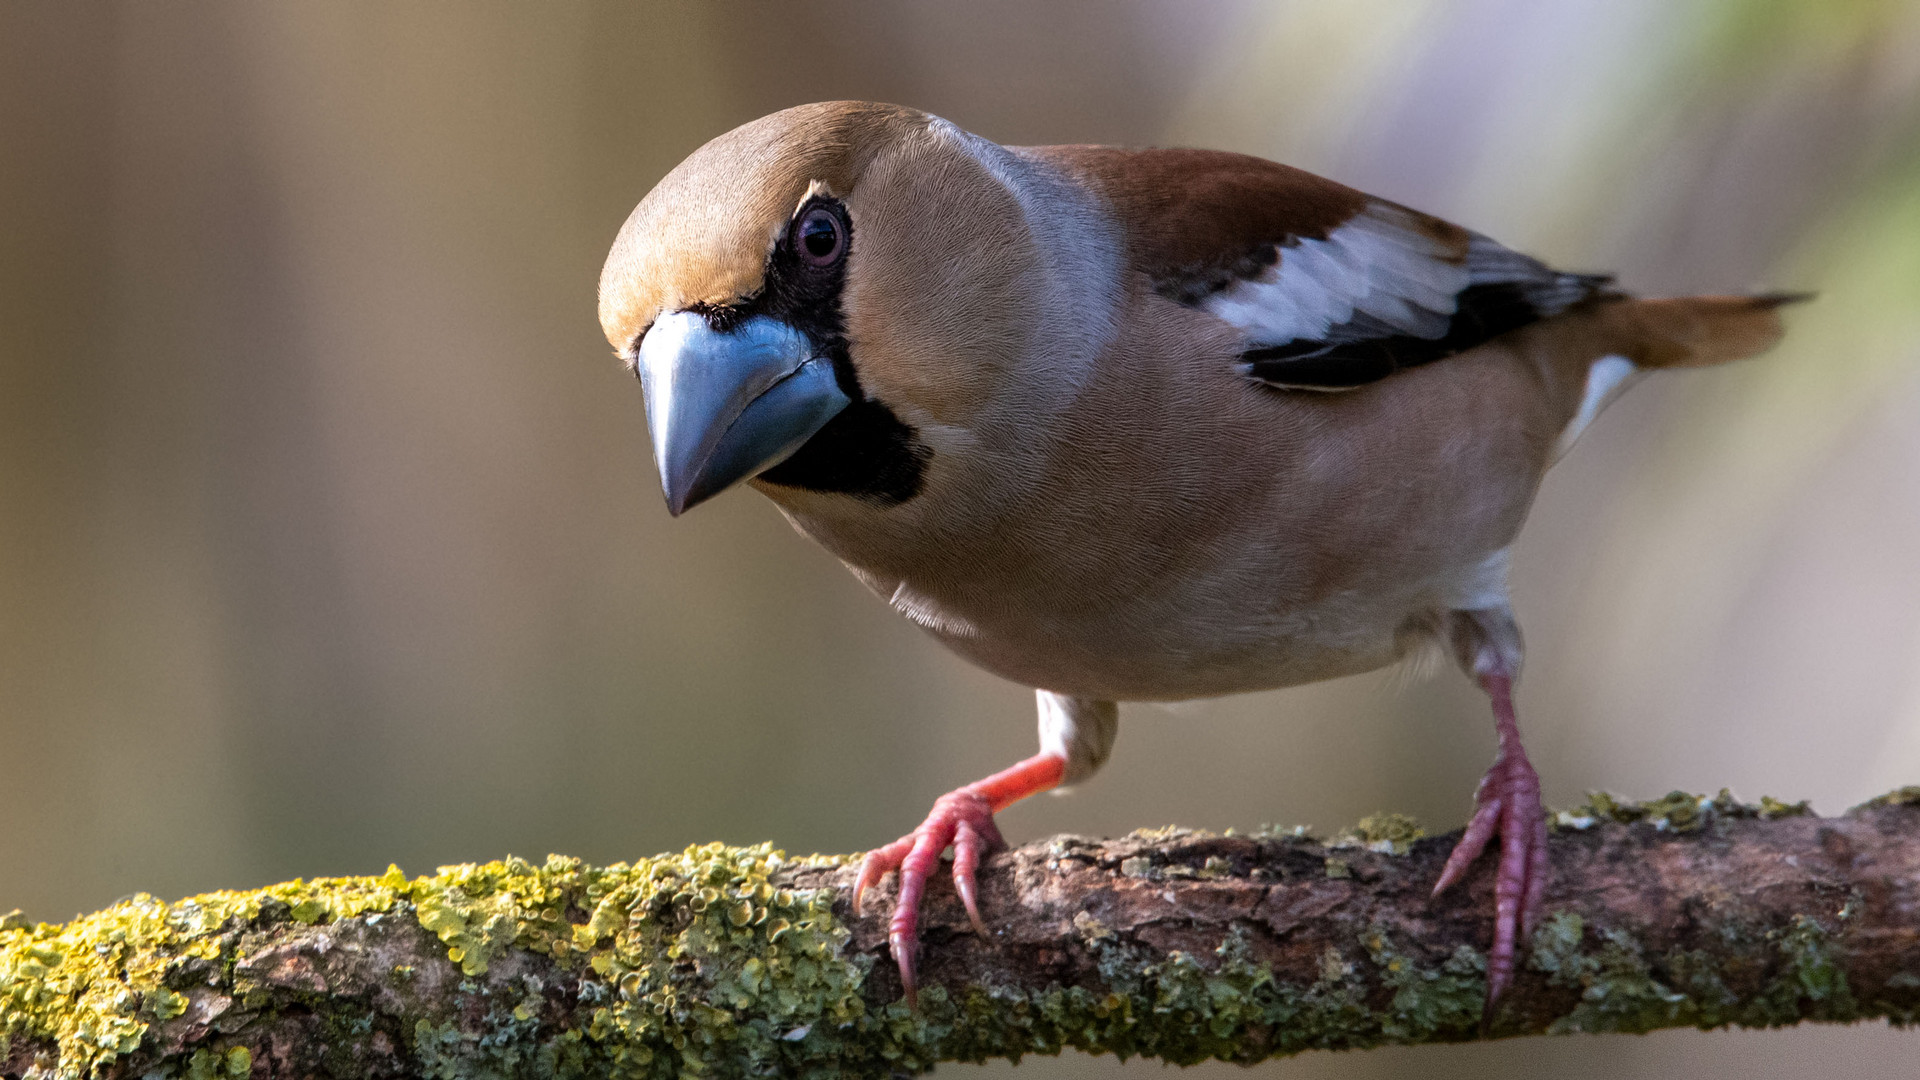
[[1129, 425]]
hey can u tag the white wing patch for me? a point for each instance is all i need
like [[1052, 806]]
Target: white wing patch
[[1379, 271]]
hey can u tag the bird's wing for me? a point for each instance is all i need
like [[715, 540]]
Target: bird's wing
[[1331, 288]]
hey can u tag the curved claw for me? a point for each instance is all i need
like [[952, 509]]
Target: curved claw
[[968, 847]]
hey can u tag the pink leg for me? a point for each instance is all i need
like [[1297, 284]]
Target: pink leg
[[963, 819], [1509, 804]]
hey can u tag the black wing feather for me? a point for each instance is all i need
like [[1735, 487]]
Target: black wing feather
[[1357, 353]]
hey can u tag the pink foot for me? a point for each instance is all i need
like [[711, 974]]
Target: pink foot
[[1509, 805], [962, 819]]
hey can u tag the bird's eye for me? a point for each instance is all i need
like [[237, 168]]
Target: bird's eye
[[819, 237]]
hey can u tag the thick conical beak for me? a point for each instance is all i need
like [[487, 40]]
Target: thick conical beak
[[726, 406]]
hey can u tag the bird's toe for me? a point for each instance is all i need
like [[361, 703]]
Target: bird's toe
[[1508, 807], [961, 819]]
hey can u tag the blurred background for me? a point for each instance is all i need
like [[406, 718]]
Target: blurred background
[[329, 535]]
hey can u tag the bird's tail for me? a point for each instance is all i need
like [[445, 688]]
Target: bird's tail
[[1697, 331]]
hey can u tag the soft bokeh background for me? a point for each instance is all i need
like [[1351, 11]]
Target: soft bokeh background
[[329, 537]]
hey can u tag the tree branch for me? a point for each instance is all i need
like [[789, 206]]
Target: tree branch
[[1174, 944]]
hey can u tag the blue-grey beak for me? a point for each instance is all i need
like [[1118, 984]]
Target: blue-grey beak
[[723, 407]]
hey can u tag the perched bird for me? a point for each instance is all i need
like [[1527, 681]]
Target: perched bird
[[1129, 425]]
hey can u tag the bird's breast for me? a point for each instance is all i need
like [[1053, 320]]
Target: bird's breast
[[1180, 531]]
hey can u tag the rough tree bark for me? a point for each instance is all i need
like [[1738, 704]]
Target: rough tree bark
[[1171, 943]]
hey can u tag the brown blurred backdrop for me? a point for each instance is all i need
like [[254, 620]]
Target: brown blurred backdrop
[[329, 535]]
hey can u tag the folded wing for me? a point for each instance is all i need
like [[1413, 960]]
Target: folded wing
[[1331, 288]]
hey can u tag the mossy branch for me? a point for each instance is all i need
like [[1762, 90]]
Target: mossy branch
[[1174, 944]]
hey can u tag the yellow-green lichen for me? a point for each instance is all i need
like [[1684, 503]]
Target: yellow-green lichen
[[233, 1064], [1906, 796], [699, 962], [1297, 833], [1428, 1000], [1771, 808], [1182, 1009], [1623, 988], [1385, 833], [1812, 974], [695, 960], [1617, 989], [1676, 811], [94, 985], [1207, 1011]]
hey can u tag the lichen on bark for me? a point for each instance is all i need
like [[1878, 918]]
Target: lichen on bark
[[1172, 943]]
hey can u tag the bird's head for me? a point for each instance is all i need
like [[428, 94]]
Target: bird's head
[[816, 300]]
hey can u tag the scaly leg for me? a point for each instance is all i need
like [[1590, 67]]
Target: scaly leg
[[963, 819], [1486, 641], [1508, 801]]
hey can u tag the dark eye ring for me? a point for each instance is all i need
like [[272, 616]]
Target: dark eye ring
[[819, 237]]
